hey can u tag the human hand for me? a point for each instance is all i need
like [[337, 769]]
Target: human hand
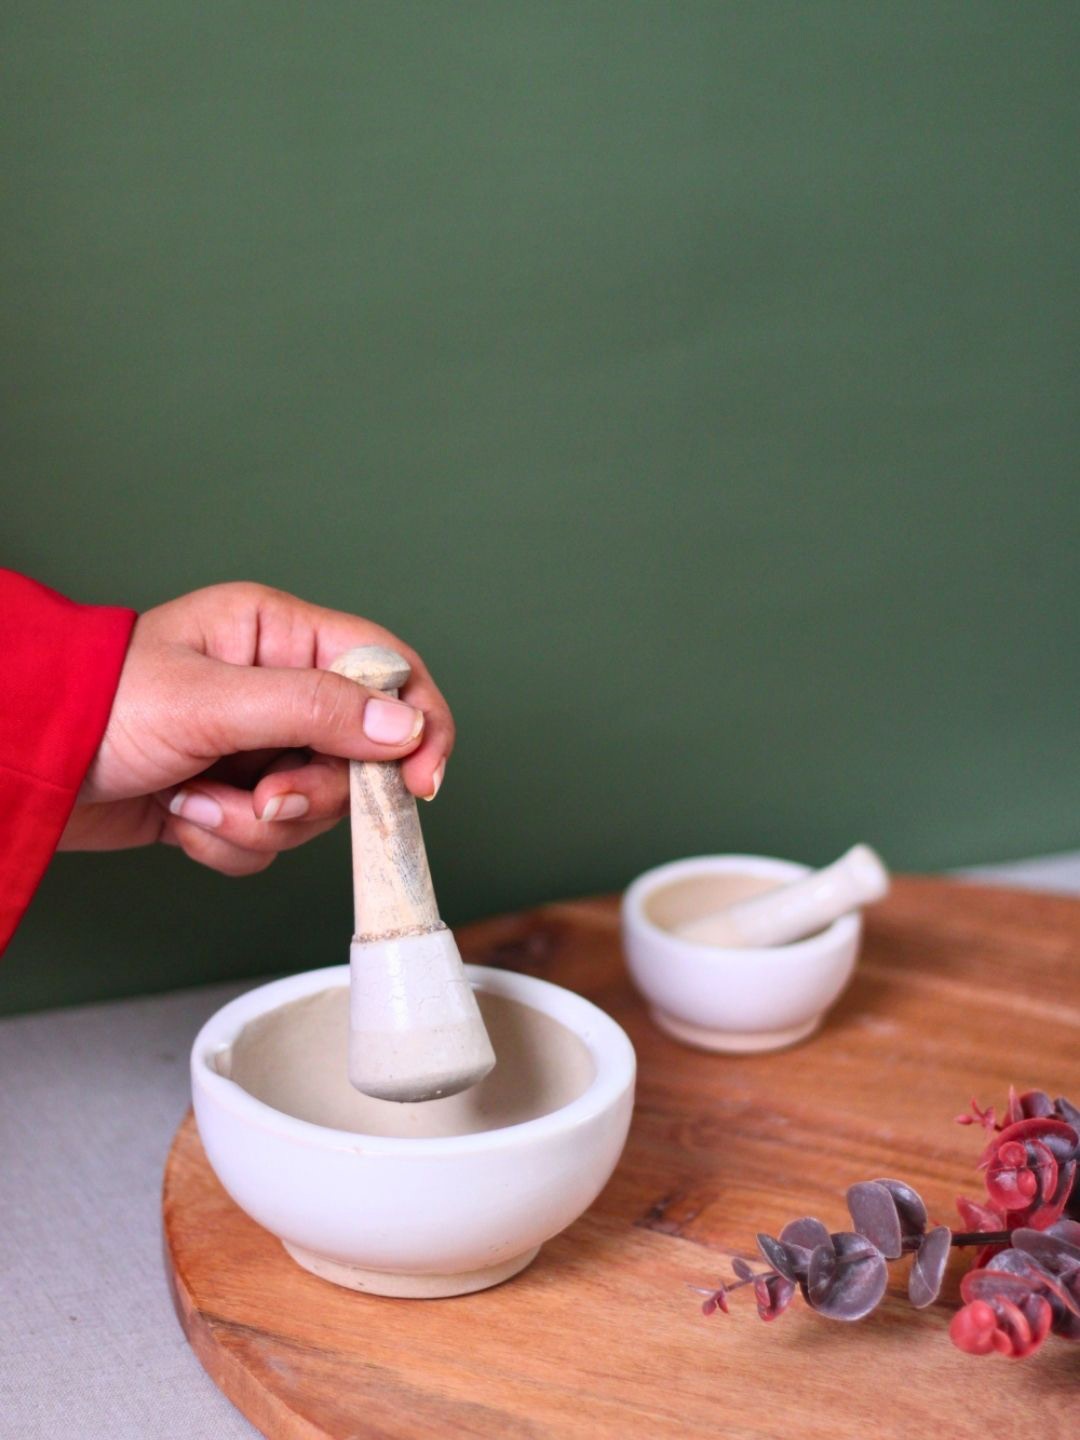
[[230, 738]]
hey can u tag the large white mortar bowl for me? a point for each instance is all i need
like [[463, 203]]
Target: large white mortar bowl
[[435, 1199]]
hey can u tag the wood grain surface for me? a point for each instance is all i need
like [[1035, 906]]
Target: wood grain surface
[[960, 990]]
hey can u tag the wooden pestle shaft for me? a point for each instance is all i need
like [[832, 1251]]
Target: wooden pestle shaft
[[392, 890], [415, 1029]]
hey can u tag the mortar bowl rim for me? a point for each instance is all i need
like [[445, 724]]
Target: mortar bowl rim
[[610, 1049]]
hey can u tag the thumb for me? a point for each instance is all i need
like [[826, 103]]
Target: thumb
[[247, 707]]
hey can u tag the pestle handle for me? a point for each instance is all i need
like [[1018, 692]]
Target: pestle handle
[[791, 912], [415, 1028], [392, 890]]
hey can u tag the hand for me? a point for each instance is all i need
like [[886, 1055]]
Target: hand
[[229, 737]]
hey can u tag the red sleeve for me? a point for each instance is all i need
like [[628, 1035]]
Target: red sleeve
[[59, 667]]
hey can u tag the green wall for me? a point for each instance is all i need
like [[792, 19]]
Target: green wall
[[693, 384]]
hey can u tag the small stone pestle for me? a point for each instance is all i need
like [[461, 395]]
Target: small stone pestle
[[791, 912], [415, 1029]]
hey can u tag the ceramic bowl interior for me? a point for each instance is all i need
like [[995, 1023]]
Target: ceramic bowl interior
[[295, 1059], [693, 897]]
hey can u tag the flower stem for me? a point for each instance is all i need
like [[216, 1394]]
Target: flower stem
[[981, 1237]]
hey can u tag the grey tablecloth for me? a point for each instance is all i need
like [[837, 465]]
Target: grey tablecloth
[[89, 1099], [89, 1345]]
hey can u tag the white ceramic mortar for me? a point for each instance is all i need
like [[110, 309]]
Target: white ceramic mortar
[[407, 1204], [727, 999]]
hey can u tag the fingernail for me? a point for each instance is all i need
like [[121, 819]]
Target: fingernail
[[436, 780], [199, 809], [289, 806], [391, 722]]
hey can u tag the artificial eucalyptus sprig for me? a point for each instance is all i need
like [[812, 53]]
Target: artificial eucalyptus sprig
[[1025, 1283]]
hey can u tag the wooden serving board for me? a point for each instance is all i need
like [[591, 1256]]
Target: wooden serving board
[[960, 991]]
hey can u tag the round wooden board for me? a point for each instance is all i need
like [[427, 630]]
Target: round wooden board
[[960, 991]]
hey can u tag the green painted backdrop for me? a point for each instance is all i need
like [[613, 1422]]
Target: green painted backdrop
[[694, 384]]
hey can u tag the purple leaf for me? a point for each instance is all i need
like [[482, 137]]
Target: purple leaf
[[1066, 1306], [806, 1232], [1015, 1262], [716, 1301], [742, 1269], [1062, 1290], [800, 1237], [1054, 1252], [1034, 1104], [999, 1284], [1066, 1111], [1067, 1230], [874, 1214], [860, 1279], [784, 1260], [820, 1274], [928, 1270], [773, 1294], [909, 1207]]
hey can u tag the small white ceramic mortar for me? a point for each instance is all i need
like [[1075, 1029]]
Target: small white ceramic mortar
[[423, 1200], [727, 999]]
